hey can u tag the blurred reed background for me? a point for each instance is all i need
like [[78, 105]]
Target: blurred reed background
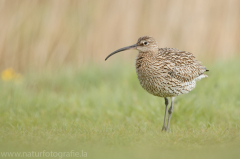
[[53, 33]]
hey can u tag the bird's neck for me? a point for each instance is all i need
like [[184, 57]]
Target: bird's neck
[[144, 58], [146, 55]]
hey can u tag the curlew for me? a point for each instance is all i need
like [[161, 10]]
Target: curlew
[[165, 72]]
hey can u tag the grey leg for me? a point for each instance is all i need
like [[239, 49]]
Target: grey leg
[[164, 128], [170, 110]]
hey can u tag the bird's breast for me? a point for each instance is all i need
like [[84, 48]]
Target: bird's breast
[[148, 74]]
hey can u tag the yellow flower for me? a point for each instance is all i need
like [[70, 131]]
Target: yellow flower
[[9, 74]]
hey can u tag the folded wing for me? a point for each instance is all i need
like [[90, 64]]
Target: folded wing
[[181, 65]]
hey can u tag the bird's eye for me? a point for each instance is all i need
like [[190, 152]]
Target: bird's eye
[[145, 43]]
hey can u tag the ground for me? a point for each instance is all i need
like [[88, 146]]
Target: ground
[[104, 112]]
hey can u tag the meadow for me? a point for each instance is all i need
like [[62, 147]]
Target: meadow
[[58, 94], [105, 112]]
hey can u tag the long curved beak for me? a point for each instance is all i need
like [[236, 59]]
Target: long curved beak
[[122, 49]]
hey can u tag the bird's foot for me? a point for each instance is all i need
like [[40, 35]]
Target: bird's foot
[[164, 128]]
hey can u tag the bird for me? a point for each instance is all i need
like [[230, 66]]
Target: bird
[[165, 72]]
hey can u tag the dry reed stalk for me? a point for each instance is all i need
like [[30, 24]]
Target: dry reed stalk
[[35, 34]]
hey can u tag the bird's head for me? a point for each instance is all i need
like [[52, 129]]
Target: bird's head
[[144, 44]]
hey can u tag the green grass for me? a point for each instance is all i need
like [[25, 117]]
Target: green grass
[[105, 112]]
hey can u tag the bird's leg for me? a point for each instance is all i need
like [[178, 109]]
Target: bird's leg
[[170, 110], [164, 128]]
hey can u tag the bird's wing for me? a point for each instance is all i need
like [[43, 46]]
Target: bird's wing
[[180, 65]]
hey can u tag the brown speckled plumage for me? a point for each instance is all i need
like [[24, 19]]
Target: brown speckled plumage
[[168, 72], [165, 72]]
